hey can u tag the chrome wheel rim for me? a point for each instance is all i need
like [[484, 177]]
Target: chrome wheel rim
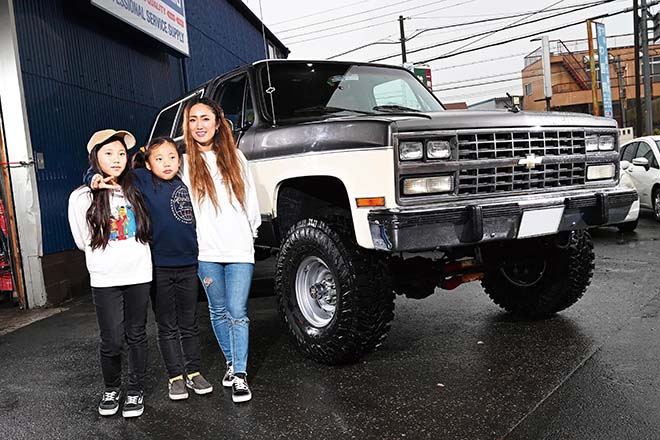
[[656, 205], [316, 291]]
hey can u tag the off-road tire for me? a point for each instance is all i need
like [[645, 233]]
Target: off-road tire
[[364, 295], [569, 266], [628, 226]]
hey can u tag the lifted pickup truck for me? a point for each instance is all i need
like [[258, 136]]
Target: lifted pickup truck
[[368, 188]]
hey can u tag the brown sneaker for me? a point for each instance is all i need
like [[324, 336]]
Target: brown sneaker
[[198, 384]]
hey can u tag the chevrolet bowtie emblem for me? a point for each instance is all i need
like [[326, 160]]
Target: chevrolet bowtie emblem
[[530, 161]]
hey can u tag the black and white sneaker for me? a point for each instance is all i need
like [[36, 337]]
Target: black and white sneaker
[[228, 378], [109, 402], [240, 389], [133, 405]]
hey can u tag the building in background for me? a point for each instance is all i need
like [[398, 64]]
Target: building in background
[[498, 103], [571, 79], [71, 67]]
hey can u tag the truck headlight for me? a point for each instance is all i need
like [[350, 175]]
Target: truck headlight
[[428, 185], [411, 150], [606, 143], [438, 149], [591, 142], [600, 172]]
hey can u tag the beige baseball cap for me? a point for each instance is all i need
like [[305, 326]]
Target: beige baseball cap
[[103, 135]]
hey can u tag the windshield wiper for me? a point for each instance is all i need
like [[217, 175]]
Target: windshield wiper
[[394, 108], [400, 110], [329, 110]]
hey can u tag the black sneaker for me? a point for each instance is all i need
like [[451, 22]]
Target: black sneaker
[[109, 402], [240, 389], [228, 378], [133, 405]]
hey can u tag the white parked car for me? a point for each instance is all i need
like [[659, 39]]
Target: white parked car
[[639, 161]]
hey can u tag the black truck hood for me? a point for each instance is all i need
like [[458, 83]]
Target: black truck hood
[[476, 119]]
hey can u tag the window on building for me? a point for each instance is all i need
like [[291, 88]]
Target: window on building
[[528, 89], [655, 68]]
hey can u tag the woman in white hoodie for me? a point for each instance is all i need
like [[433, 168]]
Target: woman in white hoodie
[[227, 214], [112, 228]]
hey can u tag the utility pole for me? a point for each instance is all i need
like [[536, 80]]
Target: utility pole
[[592, 69], [403, 39], [638, 92], [648, 93], [622, 90]]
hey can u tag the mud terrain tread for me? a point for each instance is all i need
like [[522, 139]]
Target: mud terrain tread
[[563, 284], [366, 303]]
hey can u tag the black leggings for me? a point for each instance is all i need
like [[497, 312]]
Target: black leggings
[[174, 298], [122, 315]]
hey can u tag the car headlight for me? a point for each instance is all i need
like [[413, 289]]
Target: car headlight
[[428, 185], [606, 143], [591, 142], [411, 150], [438, 149], [600, 172]]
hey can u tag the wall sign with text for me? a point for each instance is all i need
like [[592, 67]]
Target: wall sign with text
[[164, 20]]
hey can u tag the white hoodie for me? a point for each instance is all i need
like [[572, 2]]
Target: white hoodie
[[124, 261], [225, 235]]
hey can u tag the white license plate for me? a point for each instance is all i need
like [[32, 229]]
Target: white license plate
[[540, 222]]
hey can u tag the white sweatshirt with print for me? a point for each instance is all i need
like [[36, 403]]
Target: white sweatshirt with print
[[124, 261], [226, 234]]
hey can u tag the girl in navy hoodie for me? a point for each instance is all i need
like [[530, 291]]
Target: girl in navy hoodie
[[174, 252]]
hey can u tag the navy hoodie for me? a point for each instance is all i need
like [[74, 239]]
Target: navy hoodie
[[173, 236], [173, 233]]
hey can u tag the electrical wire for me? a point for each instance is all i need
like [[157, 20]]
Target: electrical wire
[[358, 21], [499, 43], [388, 22], [458, 40]]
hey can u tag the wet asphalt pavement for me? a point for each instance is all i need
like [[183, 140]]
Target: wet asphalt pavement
[[453, 367]]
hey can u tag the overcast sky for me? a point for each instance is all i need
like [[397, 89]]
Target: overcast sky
[[319, 30]]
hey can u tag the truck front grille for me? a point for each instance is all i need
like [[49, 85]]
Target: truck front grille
[[504, 144], [520, 178], [482, 146]]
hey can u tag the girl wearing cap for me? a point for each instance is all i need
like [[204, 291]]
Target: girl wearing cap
[[119, 265], [174, 254], [227, 214]]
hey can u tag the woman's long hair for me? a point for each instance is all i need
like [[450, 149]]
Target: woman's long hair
[[226, 154], [99, 213]]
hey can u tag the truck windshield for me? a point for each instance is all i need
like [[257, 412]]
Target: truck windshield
[[306, 89]]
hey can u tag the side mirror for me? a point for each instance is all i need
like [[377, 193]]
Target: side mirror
[[625, 164], [641, 162]]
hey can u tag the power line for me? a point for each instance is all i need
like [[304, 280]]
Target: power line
[[531, 35], [358, 21], [344, 16], [389, 22], [488, 20], [509, 26], [458, 40], [316, 13]]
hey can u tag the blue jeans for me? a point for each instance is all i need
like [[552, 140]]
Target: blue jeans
[[227, 286]]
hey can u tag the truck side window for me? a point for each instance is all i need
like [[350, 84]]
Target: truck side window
[[230, 97], [163, 126], [178, 132]]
